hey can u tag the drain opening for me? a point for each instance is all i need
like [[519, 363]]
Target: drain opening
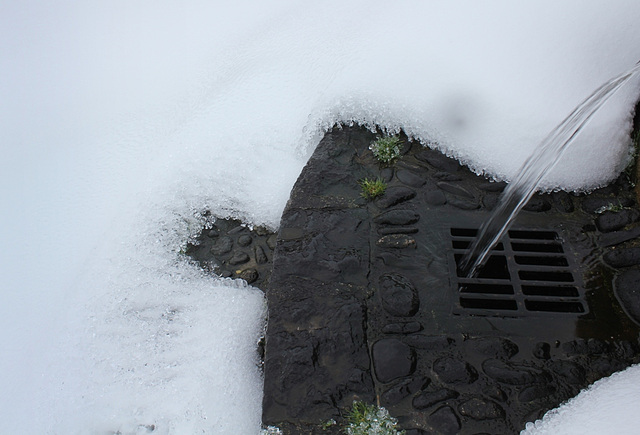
[[528, 273]]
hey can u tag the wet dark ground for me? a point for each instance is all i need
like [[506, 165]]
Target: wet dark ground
[[365, 302]]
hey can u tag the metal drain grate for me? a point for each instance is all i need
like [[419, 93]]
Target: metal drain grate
[[527, 272]]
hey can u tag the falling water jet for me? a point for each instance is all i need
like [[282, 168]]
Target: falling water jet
[[544, 158]]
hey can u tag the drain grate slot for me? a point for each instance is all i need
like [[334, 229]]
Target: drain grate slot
[[541, 261], [489, 304], [545, 290], [501, 289], [529, 273]]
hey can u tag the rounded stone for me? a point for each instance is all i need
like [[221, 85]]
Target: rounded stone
[[427, 399], [222, 246], [612, 221], [455, 189], [249, 275], [505, 373], [569, 371], [394, 196], [239, 258], [435, 197], [454, 371], [622, 257], [445, 421], [410, 178], [396, 241], [244, 240], [480, 409], [627, 290], [399, 296], [493, 347], [392, 359], [542, 350], [397, 217], [261, 257]]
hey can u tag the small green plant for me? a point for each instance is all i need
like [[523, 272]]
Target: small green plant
[[364, 419], [386, 149], [328, 424], [372, 188]]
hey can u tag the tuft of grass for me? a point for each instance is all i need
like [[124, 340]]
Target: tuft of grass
[[372, 188], [364, 419], [386, 149]]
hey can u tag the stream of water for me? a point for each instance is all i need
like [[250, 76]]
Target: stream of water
[[545, 157]]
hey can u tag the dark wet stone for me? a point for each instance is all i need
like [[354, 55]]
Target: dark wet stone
[[225, 274], [399, 296], [534, 392], [627, 290], [396, 241], [222, 246], [492, 186], [435, 197], [445, 421], [239, 258], [271, 241], [394, 196], [397, 230], [410, 178], [463, 204], [392, 359], [594, 203], [617, 237], [480, 409], [446, 176], [612, 221], [397, 217], [454, 189], [261, 257], [622, 257], [416, 431], [563, 202], [214, 232], [569, 371], [494, 392], [454, 371], [237, 230], [402, 328], [427, 399], [403, 389], [596, 346], [625, 349], [386, 174], [576, 347], [493, 347], [508, 374], [249, 275], [542, 351], [537, 204], [438, 160], [430, 342], [244, 240], [606, 366]]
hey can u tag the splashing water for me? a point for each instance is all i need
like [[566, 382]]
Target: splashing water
[[544, 159]]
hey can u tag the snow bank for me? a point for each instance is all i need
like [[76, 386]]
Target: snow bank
[[121, 122]]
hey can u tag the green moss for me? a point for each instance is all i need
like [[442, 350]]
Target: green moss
[[372, 188], [386, 149], [364, 419]]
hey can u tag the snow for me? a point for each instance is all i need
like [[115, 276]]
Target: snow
[[122, 122]]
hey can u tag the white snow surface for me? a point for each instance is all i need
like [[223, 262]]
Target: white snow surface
[[121, 122]]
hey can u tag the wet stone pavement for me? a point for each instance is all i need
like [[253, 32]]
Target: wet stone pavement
[[365, 302]]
